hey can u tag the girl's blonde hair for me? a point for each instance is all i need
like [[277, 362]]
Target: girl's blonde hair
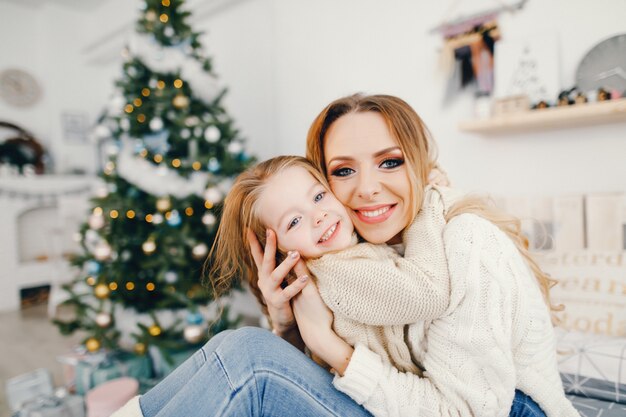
[[230, 257], [421, 154]]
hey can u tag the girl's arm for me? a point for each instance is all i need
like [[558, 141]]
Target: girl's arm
[[270, 279], [469, 362], [373, 285]]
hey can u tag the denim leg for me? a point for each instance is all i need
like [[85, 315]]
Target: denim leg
[[251, 372], [524, 406], [159, 395]]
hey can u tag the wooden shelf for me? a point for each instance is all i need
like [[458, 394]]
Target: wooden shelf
[[551, 118]]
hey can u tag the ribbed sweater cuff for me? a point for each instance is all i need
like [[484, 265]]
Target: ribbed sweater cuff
[[131, 409], [361, 376]]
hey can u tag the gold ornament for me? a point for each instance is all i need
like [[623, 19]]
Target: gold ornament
[[154, 330], [193, 333], [103, 319], [163, 204], [140, 348], [101, 291], [180, 101], [92, 344]]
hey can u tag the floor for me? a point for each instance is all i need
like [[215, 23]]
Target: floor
[[29, 341]]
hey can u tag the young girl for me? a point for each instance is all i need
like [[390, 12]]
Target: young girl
[[308, 220]]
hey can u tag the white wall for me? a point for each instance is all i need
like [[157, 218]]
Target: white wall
[[284, 60]]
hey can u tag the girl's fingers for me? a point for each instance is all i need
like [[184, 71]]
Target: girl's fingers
[[281, 271], [301, 269], [294, 288], [256, 249], [269, 257]]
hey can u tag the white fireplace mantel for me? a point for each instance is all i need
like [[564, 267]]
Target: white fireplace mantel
[[19, 195]]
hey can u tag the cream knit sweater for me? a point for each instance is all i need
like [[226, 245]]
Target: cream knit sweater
[[495, 336], [374, 292]]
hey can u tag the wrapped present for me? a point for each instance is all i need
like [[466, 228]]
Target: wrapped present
[[58, 405], [105, 399], [27, 387], [95, 369], [165, 361]]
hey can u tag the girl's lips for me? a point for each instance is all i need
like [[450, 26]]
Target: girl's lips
[[332, 236], [376, 219]]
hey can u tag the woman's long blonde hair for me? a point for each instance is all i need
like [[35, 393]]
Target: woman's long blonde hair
[[421, 154], [230, 257]]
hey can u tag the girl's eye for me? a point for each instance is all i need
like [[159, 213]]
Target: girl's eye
[[293, 223], [318, 197], [342, 172], [392, 163]]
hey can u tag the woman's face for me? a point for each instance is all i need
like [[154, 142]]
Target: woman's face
[[367, 173]]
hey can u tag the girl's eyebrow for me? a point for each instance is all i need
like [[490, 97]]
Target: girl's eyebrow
[[376, 155]]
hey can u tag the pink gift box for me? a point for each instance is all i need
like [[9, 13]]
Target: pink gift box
[[107, 398]]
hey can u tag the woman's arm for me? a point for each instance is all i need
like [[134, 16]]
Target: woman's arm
[[270, 279], [373, 285]]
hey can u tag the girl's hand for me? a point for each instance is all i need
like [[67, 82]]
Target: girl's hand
[[315, 321], [271, 278]]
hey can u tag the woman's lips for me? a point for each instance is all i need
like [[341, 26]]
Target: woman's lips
[[375, 214]]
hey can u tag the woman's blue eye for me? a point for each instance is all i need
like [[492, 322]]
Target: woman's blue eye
[[392, 163], [293, 223], [342, 172], [318, 197]]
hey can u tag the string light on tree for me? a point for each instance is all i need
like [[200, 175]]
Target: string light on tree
[[163, 204], [101, 291], [149, 246], [180, 101]]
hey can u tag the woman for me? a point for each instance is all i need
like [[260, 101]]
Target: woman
[[376, 155]]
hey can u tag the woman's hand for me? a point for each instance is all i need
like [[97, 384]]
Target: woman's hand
[[271, 278], [315, 321]]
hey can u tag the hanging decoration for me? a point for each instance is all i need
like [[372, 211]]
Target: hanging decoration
[[468, 51]]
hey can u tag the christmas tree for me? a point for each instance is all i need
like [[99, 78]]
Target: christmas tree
[[172, 154]]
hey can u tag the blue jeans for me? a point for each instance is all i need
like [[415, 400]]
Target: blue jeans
[[251, 372]]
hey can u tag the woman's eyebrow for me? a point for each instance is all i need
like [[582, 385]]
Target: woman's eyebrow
[[376, 154]]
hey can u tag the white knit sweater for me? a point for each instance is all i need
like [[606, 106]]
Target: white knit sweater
[[399, 290], [495, 336]]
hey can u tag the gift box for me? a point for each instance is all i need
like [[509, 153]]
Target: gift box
[[107, 398], [95, 369], [58, 405], [27, 387]]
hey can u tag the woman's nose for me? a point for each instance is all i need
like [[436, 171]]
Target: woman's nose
[[369, 186]]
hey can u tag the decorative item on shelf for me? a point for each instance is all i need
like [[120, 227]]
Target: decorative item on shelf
[[604, 66], [580, 98], [541, 105], [603, 95], [564, 99], [21, 149], [509, 105]]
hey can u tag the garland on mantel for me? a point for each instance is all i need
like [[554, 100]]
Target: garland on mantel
[[50, 195]]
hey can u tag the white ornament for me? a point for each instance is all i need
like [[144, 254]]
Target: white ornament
[[200, 250], [103, 319], [96, 221], [197, 132], [185, 133], [212, 134], [102, 132], [157, 218], [209, 219], [192, 121], [149, 246], [125, 124], [169, 31], [102, 191], [235, 147], [213, 194], [156, 124], [102, 251], [125, 255], [193, 333], [116, 105], [170, 277]]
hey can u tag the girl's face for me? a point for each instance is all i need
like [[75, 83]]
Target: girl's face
[[305, 216], [367, 173]]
